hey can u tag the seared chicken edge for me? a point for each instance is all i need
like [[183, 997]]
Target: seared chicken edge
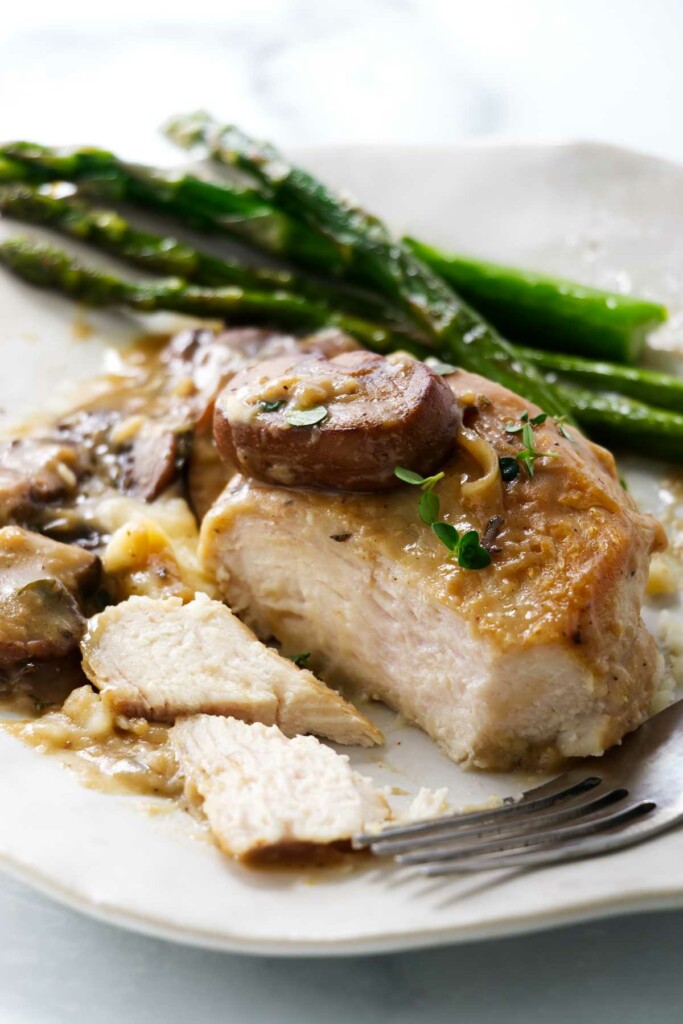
[[541, 656]]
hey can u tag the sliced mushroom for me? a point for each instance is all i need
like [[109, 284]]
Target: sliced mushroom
[[35, 473], [343, 423], [44, 587]]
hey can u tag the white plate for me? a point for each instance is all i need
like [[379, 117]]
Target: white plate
[[600, 214]]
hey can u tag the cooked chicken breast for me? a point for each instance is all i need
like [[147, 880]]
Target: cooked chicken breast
[[159, 659], [261, 791], [540, 656]]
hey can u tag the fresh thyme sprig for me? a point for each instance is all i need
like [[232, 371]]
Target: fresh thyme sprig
[[561, 424], [529, 454], [516, 428], [300, 660], [466, 549], [409, 477]]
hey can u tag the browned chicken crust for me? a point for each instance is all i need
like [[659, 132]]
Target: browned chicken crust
[[541, 656]]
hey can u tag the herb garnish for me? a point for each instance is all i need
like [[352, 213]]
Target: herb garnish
[[425, 482], [443, 369], [448, 535], [509, 468], [560, 423], [301, 659], [306, 417], [529, 454], [272, 406], [471, 555], [428, 509], [467, 549], [516, 428]]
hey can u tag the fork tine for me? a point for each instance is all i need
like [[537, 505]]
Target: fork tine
[[635, 829], [502, 828], [564, 787], [597, 823]]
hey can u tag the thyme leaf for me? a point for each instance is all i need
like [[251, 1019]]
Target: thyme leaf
[[272, 406], [428, 508], [471, 555], [448, 535], [516, 428], [306, 417], [561, 424], [409, 477], [529, 454], [440, 367]]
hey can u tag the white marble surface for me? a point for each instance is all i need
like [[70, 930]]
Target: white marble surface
[[307, 72], [59, 968]]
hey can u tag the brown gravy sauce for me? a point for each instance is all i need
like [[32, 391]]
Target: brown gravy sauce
[[59, 713]]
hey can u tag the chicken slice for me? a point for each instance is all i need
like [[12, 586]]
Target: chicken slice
[[261, 791], [160, 658], [540, 656]]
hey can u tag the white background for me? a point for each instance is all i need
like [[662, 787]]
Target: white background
[[312, 71]]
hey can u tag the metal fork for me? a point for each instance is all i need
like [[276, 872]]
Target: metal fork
[[633, 792]]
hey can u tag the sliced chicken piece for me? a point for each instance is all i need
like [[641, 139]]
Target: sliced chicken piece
[[43, 587], [262, 792], [539, 657], [159, 659]]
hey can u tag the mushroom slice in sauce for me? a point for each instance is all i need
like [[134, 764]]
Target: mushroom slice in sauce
[[343, 423]]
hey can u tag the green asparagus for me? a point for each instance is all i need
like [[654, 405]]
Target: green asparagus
[[621, 422], [47, 267], [548, 312], [650, 386], [373, 258], [240, 212], [609, 417], [109, 231]]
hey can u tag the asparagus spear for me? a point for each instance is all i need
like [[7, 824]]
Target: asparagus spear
[[245, 214], [621, 422], [111, 232], [612, 418], [372, 257], [165, 255], [10, 170], [659, 389], [548, 312], [47, 267], [240, 212]]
